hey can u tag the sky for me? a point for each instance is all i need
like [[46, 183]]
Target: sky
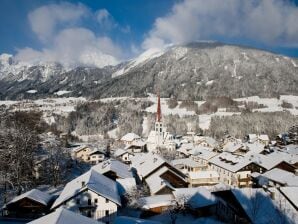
[[108, 31]]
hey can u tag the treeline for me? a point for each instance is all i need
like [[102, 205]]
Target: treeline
[[271, 123]]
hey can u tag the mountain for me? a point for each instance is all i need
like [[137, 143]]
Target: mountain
[[191, 71]]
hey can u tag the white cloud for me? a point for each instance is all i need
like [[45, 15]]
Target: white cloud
[[64, 41], [45, 20], [75, 46], [267, 21]]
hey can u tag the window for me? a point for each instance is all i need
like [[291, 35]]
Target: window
[[107, 212], [89, 201], [78, 201], [83, 183], [107, 200], [95, 200]]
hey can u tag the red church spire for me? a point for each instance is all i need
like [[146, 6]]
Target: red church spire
[[158, 114]]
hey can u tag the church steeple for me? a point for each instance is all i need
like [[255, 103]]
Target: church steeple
[[158, 113]]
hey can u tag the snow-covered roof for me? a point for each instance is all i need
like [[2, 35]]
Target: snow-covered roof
[[122, 170], [263, 137], [203, 153], [156, 201], [282, 177], [146, 163], [35, 195], [186, 161], [291, 194], [119, 152], [203, 174], [209, 140], [93, 181], [126, 184], [156, 183], [232, 146], [196, 197], [257, 204], [64, 216], [131, 220], [234, 163], [95, 151], [129, 137], [79, 148]]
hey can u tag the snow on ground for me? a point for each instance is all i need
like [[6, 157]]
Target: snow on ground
[[147, 55], [273, 104], [166, 110], [32, 91], [209, 82], [62, 92], [113, 133]]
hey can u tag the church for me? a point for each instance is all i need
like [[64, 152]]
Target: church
[[159, 139]]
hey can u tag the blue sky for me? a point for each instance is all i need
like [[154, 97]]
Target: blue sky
[[56, 30]]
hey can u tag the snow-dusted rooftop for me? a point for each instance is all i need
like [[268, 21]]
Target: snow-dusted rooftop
[[281, 176], [63, 216], [196, 197], [129, 137], [35, 195], [93, 181], [185, 161], [146, 163], [156, 201], [122, 170]]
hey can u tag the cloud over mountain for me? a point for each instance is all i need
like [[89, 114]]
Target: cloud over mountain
[[60, 29], [267, 21]]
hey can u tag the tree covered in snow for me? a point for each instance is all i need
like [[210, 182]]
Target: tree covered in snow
[[271, 123], [18, 144]]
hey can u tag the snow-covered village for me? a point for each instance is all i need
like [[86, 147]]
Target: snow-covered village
[[149, 112]]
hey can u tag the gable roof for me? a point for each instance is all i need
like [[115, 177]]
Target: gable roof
[[146, 163], [122, 170], [63, 216], [196, 197], [95, 182], [129, 137], [119, 152], [156, 201], [257, 204], [282, 177], [35, 195]]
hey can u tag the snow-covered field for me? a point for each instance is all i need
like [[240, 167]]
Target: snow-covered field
[[63, 106]]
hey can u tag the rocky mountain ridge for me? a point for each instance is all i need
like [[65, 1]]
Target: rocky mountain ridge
[[192, 71]]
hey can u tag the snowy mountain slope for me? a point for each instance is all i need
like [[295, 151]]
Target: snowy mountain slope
[[192, 71]]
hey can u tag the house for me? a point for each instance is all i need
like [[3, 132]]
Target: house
[[276, 178], [129, 138], [81, 152], [95, 156], [199, 200], [203, 178], [123, 155], [234, 169], [31, 204], [186, 165], [262, 138], [156, 204], [248, 205], [113, 169], [137, 146], [64, 216], [92, 195], [202, 155], [160, 176], [205, 141], [159, 139]]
